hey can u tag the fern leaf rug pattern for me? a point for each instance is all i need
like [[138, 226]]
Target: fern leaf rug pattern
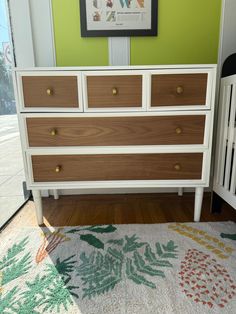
[[162, 268]]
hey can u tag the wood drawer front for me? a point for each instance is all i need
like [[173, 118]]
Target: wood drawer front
[[117, 167], [114, 91], [50, 91], [111, 131], [178, 89]]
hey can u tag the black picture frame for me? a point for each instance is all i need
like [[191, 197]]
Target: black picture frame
[[119, 33]]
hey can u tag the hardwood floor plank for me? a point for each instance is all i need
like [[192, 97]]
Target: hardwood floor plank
[[119, 209]]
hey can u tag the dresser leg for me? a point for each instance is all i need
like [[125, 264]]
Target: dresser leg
[[55, 194], [38, 206], [198, 203], [180, 191]]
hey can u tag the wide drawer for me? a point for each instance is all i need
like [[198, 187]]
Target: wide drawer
[[114, 91], [109, 131], [50, 91], [178, 89], [100, 167]]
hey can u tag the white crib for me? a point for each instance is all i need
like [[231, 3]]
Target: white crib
[[225, 164]]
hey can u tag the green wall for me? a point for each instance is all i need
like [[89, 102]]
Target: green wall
[[71, 49], [188, 32]]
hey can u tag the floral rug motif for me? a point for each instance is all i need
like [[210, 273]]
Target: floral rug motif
[[161, 268]]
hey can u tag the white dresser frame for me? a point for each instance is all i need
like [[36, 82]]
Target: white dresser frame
[[145, 110]]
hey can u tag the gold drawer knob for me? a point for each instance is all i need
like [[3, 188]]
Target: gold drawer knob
[[177, 167], [58, 169], [49, 91], [114, 91], [179, 90], [53, 132], [178, 130]]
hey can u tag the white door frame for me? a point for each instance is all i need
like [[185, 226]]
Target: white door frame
[[32, 32]]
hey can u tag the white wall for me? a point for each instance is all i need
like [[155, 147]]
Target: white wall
[[228, 31]]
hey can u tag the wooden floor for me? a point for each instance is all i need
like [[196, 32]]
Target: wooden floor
[[119, 209]]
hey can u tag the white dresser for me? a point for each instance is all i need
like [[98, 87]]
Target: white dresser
[[116, 127]]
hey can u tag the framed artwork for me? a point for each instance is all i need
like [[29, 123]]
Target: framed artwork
[[122, 18]]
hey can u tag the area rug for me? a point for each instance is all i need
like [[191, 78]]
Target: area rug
[[143, 269]]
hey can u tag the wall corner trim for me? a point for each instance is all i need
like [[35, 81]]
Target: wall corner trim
[[119, 50]]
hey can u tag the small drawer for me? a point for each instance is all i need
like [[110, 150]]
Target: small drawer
[[121, 91], [53, 168], [112, 131], [179, 89], [50, 91]]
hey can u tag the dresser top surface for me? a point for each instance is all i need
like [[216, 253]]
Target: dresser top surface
[[109, 68]]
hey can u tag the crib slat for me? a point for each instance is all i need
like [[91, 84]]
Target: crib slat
[[224, 134], [230, 138]]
